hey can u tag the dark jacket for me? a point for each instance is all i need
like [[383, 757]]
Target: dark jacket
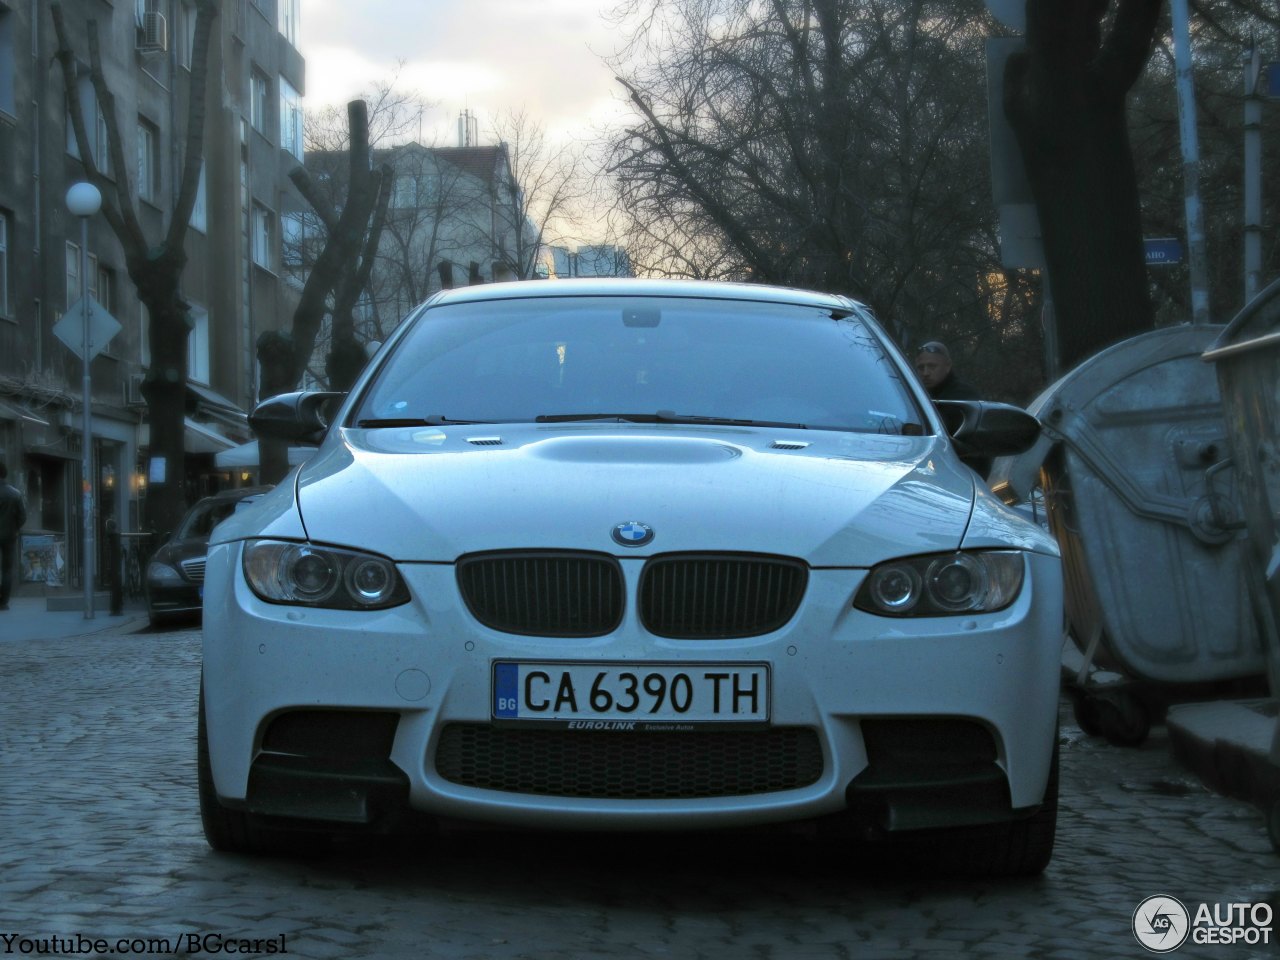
[[13, 512], [953, 388]]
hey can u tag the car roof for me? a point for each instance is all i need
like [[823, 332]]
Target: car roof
[[627, 287]]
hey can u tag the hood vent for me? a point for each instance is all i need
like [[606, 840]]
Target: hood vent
[[485, 441], [789, 445]]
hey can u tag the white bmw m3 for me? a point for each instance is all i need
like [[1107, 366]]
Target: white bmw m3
[[620, 555]]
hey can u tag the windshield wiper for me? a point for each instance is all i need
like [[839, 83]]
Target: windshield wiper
[[432, 421], [665, 416]]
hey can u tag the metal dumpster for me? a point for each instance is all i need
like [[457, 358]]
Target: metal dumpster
[[1246, 356], [1136, 471]]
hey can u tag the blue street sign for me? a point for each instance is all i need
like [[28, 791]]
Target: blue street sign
[[1269, 81], [1162, 251]]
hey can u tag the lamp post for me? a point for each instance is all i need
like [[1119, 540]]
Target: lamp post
[[84, 200]]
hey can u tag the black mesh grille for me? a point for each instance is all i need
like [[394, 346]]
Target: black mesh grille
[[563, 763], [714, 596], [543, 593]]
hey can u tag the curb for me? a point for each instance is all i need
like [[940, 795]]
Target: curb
[[1228, 746]]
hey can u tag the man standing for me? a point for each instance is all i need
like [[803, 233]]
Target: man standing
[[13, 514], [933, 364]]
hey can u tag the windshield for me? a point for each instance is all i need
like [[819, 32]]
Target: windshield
[[565, 358], [204, 517]]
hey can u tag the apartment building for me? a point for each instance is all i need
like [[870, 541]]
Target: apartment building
[[455, 217], [235, 281]]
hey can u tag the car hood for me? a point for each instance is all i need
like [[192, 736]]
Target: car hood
[[831, 498], [176, 551]]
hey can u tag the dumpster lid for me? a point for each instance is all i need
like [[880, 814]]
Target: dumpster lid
[[1013, 478], [1256, 325]]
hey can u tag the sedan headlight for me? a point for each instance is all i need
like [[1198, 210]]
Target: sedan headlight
[[308, 575], [158, 572], [943, 585]]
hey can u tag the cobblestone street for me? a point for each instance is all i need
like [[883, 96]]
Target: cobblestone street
[[100, 837]]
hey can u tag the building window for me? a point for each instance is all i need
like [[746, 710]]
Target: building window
[[185, 34], [404, 193], [73, 286], [291, 240], [290, 119], [289, 13], [148, 161], [95, 127], [199, 211], [103, 289], [4, 263], [8, 63], [259, 92], [106, 291], [73, 273], [262, 236], [198, 345], [144, 335]]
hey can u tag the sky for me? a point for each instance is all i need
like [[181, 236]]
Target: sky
[[489, 56]]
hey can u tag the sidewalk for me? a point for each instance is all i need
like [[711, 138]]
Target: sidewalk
[[28, 618]]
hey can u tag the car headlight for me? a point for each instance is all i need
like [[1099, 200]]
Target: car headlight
[[308, 575], [158, 572], [943, 585]]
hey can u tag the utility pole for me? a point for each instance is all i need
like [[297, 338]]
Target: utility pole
[[1197, 253], [1252, 173]]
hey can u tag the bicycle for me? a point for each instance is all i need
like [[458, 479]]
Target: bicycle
[[132, 550]]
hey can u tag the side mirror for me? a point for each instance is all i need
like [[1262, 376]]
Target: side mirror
[[301, 417], [983, 429]]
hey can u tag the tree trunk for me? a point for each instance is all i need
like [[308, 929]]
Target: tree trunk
[[275, 360], [165, 386], [1065, 99]]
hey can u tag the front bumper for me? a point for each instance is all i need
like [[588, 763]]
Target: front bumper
[[173, 597], [853, 697]]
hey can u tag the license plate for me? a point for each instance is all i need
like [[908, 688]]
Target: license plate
[[630, 696]]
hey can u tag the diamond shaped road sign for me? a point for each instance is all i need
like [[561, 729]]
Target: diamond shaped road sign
[[102, 327]]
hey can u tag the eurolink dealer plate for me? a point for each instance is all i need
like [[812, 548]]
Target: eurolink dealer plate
[[630, 695]]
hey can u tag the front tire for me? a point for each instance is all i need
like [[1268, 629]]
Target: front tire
[[233, 831], [1016, 848], [1019, 848]]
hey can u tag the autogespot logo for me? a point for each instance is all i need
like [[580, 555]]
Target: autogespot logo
[[1161, 924]]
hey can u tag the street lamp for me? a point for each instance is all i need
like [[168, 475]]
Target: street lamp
[[84, 200]]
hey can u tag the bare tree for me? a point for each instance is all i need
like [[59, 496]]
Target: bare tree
[[429, 224], [1065, 98], [538, 205], [338, 275], [831, 144], [155, 265]]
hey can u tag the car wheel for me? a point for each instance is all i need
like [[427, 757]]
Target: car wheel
[[1018, 848], [233, 831], [1124, 720], [1084, 708]]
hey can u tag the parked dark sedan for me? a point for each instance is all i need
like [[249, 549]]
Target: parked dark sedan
[[175, 575]]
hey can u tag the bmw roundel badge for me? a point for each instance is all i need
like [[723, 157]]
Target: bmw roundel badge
[[633, 533]]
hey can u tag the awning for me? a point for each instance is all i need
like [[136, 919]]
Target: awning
[[213, 405], [246, 455], [11, 411], [197, 438]]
